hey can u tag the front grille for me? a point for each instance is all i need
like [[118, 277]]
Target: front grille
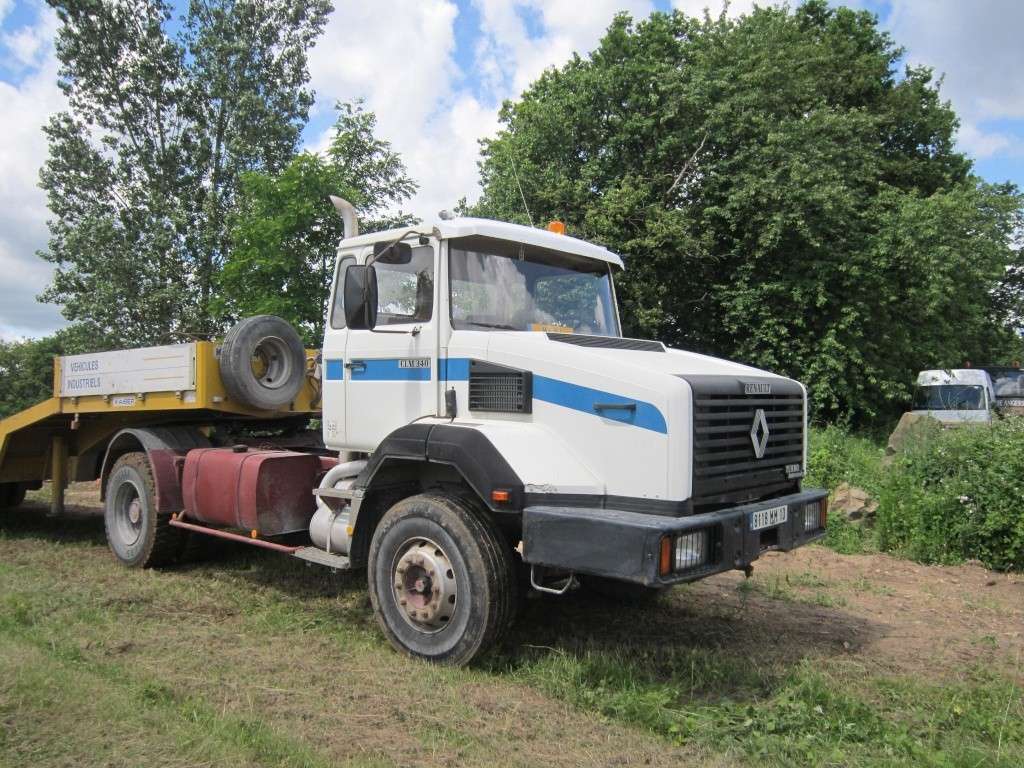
[[726, 469], [499, 389]]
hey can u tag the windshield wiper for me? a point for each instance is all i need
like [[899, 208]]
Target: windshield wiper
[[499, 326]]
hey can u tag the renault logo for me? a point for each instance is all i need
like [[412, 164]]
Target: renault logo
[[759, 433]]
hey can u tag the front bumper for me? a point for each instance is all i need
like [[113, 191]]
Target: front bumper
[[625, 545]]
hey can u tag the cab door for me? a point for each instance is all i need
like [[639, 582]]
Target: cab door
[[332, 371], [391, 371]]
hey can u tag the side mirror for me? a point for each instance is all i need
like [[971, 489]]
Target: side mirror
[[361, 297], [392, 253]]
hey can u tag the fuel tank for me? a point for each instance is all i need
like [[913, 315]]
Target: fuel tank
[[267, 491]]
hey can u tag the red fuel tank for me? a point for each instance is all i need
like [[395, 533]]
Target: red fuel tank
[[270, 492]]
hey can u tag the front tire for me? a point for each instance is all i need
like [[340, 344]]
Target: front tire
[[441, 579], [136, 534]]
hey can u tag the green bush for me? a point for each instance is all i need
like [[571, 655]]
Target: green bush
[[957, 494], [836, 456]]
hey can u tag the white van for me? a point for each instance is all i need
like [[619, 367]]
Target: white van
[[957, 396]]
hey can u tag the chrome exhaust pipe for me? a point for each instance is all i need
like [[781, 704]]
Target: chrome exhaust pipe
[[348, 215]]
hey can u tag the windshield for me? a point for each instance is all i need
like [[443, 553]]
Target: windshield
[[949, 397], [1009, 384], [513, 287]]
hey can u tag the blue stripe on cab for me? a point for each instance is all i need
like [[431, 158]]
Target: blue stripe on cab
[[574, 396], [455, 369], [334, 370], [583, 399]]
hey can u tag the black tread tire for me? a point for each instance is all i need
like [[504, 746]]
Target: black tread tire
[[199, 548], [12, 495], [159, 543], [487, 596], [235, 363], [622, 592]]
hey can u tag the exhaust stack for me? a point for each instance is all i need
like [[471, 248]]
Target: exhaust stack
[[348, 215]]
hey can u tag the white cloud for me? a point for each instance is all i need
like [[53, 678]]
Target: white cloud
[[977, 47], [433, 113], [398, 56], [511, 58], [29, 46], [23, 213]]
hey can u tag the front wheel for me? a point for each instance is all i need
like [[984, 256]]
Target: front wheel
[[441, 579]]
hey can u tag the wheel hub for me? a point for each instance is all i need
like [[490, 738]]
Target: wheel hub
[[425, 585], [128, 513], [134, 512]]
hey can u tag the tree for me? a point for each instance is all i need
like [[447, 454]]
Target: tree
[[145, 164], [285, 230], [783, 194]]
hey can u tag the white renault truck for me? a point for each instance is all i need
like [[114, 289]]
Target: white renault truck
[[485, 428]]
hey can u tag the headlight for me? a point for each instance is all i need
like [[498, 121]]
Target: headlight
[[815, 515], [692, 550]]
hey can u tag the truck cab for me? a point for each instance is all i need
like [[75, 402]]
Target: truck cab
[[955, 397], [485, 362], [1008, 382]]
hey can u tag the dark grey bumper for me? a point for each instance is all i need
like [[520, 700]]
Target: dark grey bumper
[[625, 545]]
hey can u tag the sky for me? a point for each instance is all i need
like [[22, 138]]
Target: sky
[[435, 73]]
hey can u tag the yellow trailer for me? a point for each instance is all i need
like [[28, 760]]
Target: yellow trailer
[[200, 386]]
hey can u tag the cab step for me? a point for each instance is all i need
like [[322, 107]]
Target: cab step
[[320, 557]]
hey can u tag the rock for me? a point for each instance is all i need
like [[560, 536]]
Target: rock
[[909, 426], [853, 503]]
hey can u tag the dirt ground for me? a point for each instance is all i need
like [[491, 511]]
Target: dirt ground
[[255, 635]]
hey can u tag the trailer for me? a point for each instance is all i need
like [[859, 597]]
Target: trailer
[[481, 427], [160, 401]]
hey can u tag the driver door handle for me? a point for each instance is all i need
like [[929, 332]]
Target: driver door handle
[[355, 365]]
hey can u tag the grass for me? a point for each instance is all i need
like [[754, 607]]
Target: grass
[[810, 715], [256, 660]]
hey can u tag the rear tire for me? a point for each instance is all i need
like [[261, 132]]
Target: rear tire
[[12, 495], [138, 537], [262, 362], [441, 579]]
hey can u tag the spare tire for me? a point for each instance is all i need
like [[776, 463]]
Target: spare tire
[[262, 362]]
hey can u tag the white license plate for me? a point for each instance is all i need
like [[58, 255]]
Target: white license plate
[[766, 518]]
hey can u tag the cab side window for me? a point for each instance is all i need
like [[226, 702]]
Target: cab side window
[[338, 307], [405, 287]]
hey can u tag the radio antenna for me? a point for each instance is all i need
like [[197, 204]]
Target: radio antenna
[[515, 173]]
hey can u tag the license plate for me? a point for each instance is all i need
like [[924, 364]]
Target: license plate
[[766, 518]]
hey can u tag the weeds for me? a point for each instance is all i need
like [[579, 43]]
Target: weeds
[[812, 715], [952, 495]]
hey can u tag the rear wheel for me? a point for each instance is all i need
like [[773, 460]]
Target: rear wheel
[[137, 535], [12, 495], [441, 579]]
